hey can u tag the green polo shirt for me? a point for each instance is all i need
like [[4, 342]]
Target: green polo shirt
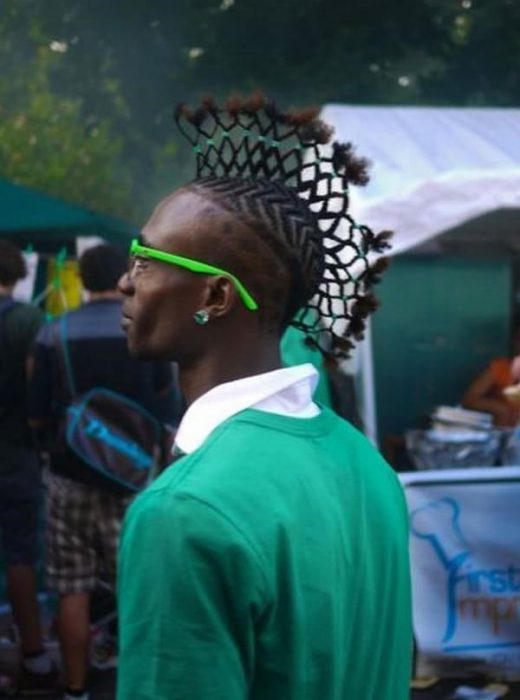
[[272, 564]]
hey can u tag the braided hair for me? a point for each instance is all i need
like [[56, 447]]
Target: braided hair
[[269, 167]]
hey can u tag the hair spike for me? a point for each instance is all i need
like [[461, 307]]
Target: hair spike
[[365, 305], [303, 116], [316, 131], [195, 117], [345, 345], [208, 103], [255, 102], [373, 273], [382, 241], [345, 160], [274, 113], [233, 104]]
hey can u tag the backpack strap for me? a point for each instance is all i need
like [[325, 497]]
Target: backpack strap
[[64, 358], [6, 304]]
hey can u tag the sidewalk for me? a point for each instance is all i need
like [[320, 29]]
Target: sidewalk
[[103, 688], [444, 690]]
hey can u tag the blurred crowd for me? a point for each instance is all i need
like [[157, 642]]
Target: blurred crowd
[[46, 488]]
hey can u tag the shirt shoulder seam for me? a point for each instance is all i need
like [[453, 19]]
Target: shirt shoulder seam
[[187, 495]]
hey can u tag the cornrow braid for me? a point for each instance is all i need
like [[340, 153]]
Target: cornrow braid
[[288, 228], [270, 168]]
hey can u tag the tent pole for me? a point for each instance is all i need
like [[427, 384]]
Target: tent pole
[[368, 399]]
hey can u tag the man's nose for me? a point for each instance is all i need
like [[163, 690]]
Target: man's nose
[[125, 284]]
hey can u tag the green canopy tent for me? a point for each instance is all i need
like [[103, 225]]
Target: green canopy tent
[[49, 223]]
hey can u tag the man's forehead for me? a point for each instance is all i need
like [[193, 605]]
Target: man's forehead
[[175, 217], [184, 217], [178, 208]]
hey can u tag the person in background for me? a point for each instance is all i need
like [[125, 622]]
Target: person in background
[[486, 392], [20, 477], [270, 560], [84, 508]]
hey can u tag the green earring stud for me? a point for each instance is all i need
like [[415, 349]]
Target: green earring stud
[[201, 317]]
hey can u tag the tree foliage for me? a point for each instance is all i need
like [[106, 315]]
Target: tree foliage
[[45, 143], [88, 112], [45, 140]]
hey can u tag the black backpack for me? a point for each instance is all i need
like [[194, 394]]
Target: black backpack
[[8, 377]]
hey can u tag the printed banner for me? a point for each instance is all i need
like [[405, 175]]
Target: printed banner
[[64, 290], [465, 559]]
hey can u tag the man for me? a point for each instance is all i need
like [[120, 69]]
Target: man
[[270, 560], [85, 509], [20, 478], [486, 391]]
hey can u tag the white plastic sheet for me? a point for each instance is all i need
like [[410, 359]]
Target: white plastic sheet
[[433, 168]]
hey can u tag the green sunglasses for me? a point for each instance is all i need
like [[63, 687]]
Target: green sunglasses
[[194, 266]]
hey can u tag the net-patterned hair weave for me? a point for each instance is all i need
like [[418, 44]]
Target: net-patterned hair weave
[[248, 149]]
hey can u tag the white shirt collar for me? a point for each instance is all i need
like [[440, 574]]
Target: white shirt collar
[[286, 391]]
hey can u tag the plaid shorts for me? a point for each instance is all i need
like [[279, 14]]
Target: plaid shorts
[[83, 527]]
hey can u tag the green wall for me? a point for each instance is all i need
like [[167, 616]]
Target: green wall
[[441, 320]]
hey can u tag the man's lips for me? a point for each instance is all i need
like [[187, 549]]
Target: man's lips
[[125, 322]]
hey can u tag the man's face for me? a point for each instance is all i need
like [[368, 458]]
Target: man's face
[[159, 298]]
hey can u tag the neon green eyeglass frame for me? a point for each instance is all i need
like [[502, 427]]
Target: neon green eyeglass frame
[[194, 266]]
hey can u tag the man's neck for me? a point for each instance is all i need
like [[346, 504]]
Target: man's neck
[[6, 291], [218, 369]]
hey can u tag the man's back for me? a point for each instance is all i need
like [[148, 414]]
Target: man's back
[[283, 568]]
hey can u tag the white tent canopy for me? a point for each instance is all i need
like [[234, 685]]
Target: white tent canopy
[[433, 168]]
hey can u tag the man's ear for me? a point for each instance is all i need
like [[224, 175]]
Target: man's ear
[[220, 296]]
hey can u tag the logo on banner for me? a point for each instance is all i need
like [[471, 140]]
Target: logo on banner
[[482, 602]]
